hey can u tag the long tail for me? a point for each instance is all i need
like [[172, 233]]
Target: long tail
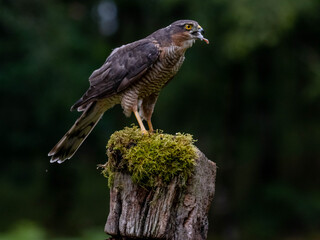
[[72, 140]]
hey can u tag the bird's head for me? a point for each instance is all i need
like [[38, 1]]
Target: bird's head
[[182, 33], [185, 32]]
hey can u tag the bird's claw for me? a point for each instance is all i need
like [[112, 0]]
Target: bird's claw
[[144, 132]]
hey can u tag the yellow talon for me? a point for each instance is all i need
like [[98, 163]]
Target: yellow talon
[[144, 131]]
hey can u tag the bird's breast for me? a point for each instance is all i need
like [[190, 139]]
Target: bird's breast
[[164, 69]]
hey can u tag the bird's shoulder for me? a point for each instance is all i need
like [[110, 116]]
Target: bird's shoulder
[[142, 47], [127, 59]]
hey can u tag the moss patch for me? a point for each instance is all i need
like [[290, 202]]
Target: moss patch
[[152, 160]]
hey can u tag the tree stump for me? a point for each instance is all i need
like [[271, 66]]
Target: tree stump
[[167, 212]]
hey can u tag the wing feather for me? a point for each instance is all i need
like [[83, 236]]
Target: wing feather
[[123, 67]]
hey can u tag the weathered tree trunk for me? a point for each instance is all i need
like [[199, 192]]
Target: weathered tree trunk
[[170, 212]]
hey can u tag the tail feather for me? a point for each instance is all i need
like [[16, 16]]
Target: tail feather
[[72, 140]]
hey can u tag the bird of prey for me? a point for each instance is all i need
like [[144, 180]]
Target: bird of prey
[[132, 76]]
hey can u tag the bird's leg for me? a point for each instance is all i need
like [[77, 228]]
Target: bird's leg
[[150, 125], [143, 129], [146, 108]]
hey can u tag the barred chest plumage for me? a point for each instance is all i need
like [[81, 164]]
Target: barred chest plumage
[[169, 63], [164, 69]]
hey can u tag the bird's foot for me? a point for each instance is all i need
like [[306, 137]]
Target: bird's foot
[[151, 131], [144, 132]]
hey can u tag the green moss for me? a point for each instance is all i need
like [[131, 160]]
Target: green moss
[[152, 160]]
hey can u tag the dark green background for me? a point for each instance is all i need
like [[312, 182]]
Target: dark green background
[[251, 98]]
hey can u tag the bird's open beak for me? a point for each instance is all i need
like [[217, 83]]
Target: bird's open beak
[[199, 35]]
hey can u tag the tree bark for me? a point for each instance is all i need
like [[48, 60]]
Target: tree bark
[[169, 212]]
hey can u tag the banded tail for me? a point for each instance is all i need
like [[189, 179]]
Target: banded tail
[[72, 140]]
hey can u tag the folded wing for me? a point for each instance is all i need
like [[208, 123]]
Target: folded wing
[[123, 67]]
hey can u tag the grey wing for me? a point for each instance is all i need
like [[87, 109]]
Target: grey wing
[[122, 68]]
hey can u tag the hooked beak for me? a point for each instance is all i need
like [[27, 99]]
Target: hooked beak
[[199, 35]]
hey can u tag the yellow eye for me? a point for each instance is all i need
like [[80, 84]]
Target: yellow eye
[[188, 26]]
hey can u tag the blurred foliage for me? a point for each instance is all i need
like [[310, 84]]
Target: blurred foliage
[[251, 98], [30, 231]]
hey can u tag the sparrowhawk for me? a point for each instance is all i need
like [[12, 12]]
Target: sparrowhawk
[[132, 76]]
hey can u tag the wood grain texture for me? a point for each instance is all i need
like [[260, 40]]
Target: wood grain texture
[[170, 212]]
